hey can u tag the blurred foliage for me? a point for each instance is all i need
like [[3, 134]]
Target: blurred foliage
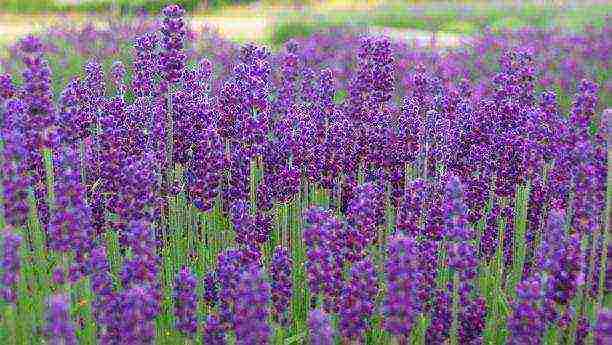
[[461, 17], [124, 6]]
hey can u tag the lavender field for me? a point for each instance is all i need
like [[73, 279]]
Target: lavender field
[[164, 185]]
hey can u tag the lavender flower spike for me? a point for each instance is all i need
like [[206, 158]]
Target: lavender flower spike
[[10, 265], [357, 300], [252, 311], [321, 332], [214, 333], [603, 329], [526, 324], [281, 283], [59, 329], [174, 32], [186, 302]]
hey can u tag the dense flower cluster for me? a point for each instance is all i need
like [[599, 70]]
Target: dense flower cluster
[[16, 179], [186, 302], [59, 328], [357, 300], [282, 283], [137, 310], [173, 29], [561, 260], [252, 308], [526, 324], [211, 288], [70, 226], [213, 333], [321, 331], [603, 329], [142, 268], [408, 284], [324, 263], [11, 265], [365, 212]]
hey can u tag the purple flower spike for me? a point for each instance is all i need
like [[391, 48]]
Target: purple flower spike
[[324, 260], [59, 329], [145, 64], [205, 169], [211, 288], [365, 212], [603, 328], [281, 283], [174, 32], [102, 287], [186, 302], [321, 332], [228, 272], [561, 258], [7, 88], [252, 308], [143, 267], [58, 276], [10, 264], [117, 77], [405, 278], [526, 324], [213, 334], [411, 208], [461, 253], [357, 300], [70, 226], [138, 309], [16, 180]]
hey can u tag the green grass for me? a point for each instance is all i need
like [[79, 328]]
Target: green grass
[[452, 18]]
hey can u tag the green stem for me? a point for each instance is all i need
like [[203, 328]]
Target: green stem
[[455, 311]]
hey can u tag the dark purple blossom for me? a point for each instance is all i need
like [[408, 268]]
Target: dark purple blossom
[[230, 266], [59, 328], [252, 308], [365, 212], [211, 288], [7, 88], [173, 58], [282, 283], [117, 76], [145, 64], [10, 264], [603, 328], [102, 288], [357, 300], [213, 333], [561, 259], [16, 179], [410, 211], [323, 259], [409, 280], [526, 323], [138, 308], [321, 331], [205, 169], [185, 302], [70, 226], [143, 267], [461, 253]]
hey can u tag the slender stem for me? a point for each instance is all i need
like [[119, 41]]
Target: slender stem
[[455, 311]]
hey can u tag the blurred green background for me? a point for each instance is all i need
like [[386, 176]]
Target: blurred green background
[[275, 21]]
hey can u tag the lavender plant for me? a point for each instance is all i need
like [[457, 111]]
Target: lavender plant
[[346, 188]]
